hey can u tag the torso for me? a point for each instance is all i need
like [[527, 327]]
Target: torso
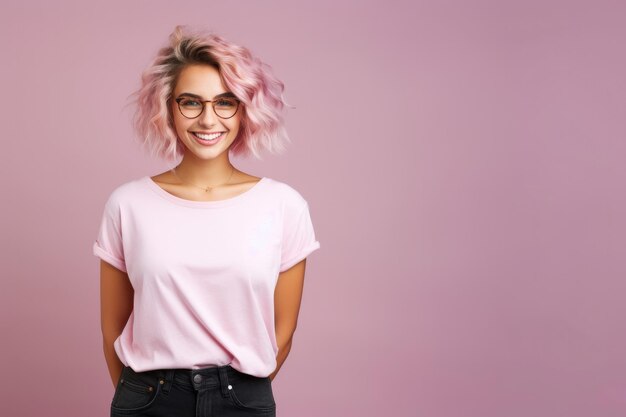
[[239, 185]]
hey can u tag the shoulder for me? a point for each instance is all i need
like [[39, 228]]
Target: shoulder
[[123, 193], [288, 195]]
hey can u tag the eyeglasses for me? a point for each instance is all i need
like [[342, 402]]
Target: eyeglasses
[[224, 107]]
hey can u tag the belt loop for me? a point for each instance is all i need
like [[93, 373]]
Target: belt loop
[[223, 375], [167, 375]]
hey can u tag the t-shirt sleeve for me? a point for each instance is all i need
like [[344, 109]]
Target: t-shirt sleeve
[[108, 244], [298, 237]]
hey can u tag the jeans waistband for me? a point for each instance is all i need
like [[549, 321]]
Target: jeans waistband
[[198, 379]]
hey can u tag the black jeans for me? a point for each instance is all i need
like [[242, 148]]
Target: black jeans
[[219, 391]]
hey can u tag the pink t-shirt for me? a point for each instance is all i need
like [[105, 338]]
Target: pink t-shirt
[[203, 272]]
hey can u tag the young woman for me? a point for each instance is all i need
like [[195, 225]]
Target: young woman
[[202, 266]]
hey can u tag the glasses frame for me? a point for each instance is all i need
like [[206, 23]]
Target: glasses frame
[[203, 102]]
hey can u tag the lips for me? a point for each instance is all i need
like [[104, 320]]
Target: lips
[[199, 138], [209, 136]]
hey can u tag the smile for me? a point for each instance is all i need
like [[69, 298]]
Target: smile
[[208, 140], [211, 137]]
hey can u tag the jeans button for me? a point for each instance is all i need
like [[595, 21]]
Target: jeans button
[[197, 378]]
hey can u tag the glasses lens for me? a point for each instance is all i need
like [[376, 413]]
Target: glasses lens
[[226, 107], [190, 107]]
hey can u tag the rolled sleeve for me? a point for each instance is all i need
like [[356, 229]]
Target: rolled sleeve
[[108, 245], [299, 239]]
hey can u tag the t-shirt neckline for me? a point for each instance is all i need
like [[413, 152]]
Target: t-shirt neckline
[[203, 204]]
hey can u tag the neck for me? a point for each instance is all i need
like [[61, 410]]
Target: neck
[[212, 172]]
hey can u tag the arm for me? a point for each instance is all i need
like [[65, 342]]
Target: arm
[[116, 305], [287, 298]]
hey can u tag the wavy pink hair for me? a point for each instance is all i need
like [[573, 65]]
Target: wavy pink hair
[[246, 76]]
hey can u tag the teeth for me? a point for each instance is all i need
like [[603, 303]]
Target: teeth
[[208, 137]]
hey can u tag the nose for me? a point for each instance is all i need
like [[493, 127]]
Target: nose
[[208, 116]]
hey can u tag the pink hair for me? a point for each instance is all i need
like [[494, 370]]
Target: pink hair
[[246, 76]]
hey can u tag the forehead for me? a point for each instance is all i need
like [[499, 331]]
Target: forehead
[[203, 80]]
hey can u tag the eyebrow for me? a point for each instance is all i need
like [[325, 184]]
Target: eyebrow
[[227, 94]]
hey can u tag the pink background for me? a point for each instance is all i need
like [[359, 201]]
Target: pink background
[[464, 164]]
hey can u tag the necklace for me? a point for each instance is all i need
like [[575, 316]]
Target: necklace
[[206, 189]]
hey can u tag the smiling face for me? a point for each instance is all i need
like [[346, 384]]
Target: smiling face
[[203, 83]]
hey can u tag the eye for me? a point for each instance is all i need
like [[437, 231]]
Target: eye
[[224, 102], [188, 102]]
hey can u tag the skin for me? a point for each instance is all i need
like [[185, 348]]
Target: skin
[[202, 166]]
